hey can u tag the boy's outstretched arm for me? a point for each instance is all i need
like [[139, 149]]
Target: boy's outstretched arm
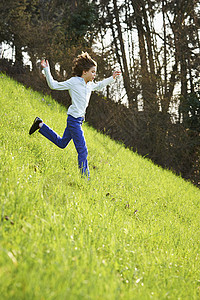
[[53, 84], [101, 84]]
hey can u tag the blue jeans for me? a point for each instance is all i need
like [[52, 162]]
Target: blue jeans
[[72, 131]]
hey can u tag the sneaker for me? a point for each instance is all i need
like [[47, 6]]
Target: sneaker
[[35, 125]]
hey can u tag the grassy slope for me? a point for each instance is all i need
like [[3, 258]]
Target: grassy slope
[[132, 232]]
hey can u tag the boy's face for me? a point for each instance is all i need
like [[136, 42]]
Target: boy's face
[[90, 74]]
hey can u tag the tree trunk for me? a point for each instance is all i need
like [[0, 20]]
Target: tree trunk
[[125, 71], [143, 56], [165, 101], [18, 53], [152, 75]]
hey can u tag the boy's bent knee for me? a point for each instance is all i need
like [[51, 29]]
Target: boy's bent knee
[[62, 145]]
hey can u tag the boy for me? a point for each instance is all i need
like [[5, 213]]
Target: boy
[[80, 87]]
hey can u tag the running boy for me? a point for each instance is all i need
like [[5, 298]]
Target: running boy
[[80, 87]]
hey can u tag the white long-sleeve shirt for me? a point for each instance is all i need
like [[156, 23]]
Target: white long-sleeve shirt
[[79, 91]]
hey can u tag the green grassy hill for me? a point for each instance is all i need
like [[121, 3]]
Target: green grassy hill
[[131, 232]]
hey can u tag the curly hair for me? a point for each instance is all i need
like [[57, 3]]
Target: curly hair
[[82, 62]]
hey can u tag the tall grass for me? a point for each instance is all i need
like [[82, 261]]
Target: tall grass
[[131, 232]]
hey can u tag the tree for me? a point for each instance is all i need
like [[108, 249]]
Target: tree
[[182, 17], [46, 28], [13, 19]]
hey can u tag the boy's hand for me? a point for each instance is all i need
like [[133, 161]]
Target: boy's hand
[[116, 73], [44, 63]]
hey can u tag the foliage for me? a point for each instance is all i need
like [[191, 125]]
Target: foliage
[[168, 53], [82, 20], [132, 232], [52, 27], [190, 109]]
